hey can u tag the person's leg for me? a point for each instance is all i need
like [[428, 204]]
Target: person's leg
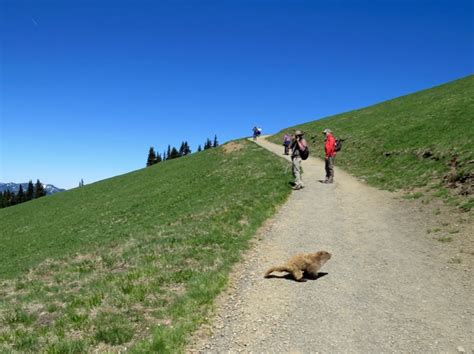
[[331, 169], [293, 167], [297, 172], [326, 168]]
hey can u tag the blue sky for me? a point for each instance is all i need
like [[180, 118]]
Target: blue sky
[[86, 87]]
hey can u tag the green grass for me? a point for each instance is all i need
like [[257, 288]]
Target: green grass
[[407, 142], [444, 239], [134, 261], [415, 195]]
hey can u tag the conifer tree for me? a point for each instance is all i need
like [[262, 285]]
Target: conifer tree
[[168, 153], [158, 158], [39, 189], [174, 153], [20, 197], [187, 149], [30, 191], [151, 157], [11, 198], [207, 144], [199, 148], [215, 143], [181, 150], [81, 183], [3, 200]]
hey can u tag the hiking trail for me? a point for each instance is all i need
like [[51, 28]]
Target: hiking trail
[[388, 287]]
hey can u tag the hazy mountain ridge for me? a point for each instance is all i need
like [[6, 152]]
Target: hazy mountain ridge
[[15, 187]]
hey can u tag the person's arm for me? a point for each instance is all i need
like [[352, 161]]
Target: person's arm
[[302, 144]]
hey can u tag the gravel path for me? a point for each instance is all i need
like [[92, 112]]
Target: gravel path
[[388, 287]]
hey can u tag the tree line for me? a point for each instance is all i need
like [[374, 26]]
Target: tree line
[[33, 191], [174, 153]]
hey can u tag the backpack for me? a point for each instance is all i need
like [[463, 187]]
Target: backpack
[[338, 144], [303, 153]]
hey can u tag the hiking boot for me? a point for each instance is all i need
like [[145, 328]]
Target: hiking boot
[[297, 187]]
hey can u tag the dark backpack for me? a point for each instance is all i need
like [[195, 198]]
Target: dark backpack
[[338, 144], [304, 153]]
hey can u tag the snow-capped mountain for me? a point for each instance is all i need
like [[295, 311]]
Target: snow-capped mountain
[[14, 187]]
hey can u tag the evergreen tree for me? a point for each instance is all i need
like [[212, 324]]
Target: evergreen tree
[[81, 183], [20, 197], [3, 201], [39, 189], [215, 143], [6, 199], [181, 150], [199, 148], [207, 144], [168, 153], [174, 153], [151, 157], [30, 191], [187, 149], [11, 198], [165, 157], [158, 158]]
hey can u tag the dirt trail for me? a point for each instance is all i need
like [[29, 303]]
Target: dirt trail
[[388, 287]]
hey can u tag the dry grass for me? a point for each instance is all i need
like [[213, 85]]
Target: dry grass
[[232, 147]]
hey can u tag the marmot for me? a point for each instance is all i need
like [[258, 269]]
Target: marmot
[[305, 262]]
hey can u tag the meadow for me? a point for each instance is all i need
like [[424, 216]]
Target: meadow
[[133, 262]]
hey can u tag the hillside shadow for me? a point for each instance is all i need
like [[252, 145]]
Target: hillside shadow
[[306, 276]]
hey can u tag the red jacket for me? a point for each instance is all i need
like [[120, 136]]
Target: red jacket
[[330, 145]]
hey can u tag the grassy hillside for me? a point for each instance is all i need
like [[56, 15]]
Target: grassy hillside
[[134, 261], [423, 142]]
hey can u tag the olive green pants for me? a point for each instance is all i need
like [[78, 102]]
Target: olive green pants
[[329, 166], [296, 163]]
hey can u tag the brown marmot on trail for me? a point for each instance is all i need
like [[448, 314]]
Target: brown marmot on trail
[[305, 262]]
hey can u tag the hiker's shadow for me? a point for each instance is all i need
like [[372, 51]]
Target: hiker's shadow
[[306, 276]]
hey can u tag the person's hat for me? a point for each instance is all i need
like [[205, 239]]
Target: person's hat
[[299, 132], [325, 131]]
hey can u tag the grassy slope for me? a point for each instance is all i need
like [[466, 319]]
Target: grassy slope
[[134, 257], [407, 142]]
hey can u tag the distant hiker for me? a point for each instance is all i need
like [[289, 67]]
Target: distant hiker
[[330, 151], [297, 145], [256, 132], [286, 143]]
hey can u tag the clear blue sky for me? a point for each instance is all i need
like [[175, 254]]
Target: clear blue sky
[[88, 86]]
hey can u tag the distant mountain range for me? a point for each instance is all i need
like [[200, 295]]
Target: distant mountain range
[[14, 187]]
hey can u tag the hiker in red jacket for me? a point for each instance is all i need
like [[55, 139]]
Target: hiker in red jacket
[[330, 150]]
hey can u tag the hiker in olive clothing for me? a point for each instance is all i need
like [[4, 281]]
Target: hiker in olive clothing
[[298, 144], [330, 152]]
